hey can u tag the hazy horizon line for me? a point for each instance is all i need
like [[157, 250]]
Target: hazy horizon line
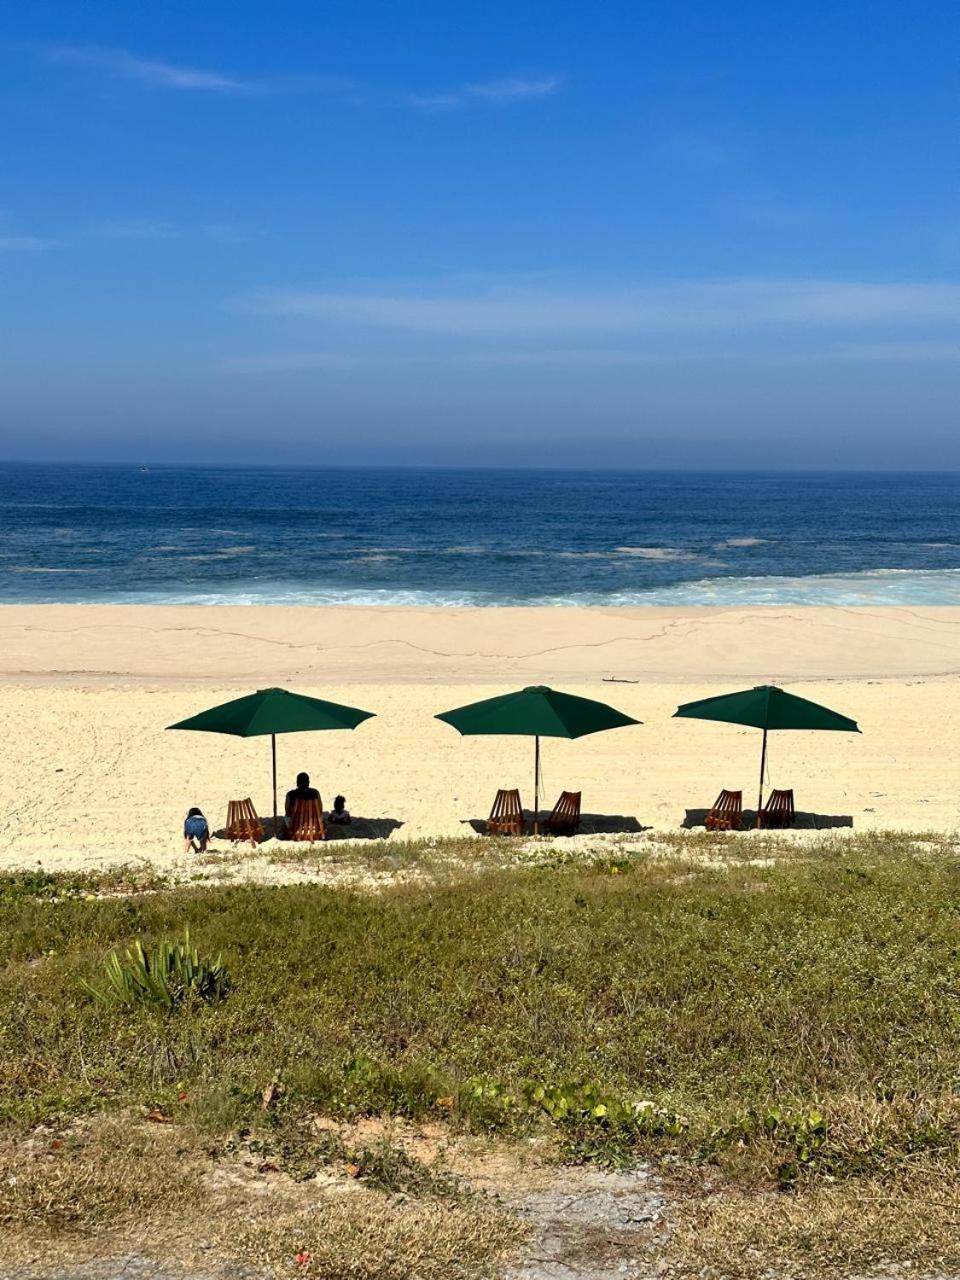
[[457, 467]]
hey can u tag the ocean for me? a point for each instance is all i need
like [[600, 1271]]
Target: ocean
[[205, 535]]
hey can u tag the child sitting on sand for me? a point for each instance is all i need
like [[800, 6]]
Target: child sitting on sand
[[339, 813], [196, 833]]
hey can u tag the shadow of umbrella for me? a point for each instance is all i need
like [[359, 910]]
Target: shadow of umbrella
[[591, 824], [359, 828], [801, 821]]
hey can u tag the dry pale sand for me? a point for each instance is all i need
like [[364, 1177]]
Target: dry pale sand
[[90, 776]]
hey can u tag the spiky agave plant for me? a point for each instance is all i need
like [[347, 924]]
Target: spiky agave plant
[[164, 974]]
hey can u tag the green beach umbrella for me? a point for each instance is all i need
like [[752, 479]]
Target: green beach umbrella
[[766, 707], [536, 712], [273, 711]]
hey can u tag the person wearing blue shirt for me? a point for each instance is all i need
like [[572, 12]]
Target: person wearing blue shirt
[[196, 832]]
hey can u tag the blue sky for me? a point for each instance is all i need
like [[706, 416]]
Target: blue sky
[[620, 234]]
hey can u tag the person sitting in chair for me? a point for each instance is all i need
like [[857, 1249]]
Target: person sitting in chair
[[302, 791]]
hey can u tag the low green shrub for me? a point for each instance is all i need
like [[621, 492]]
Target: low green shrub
[[803, 1133], [486, 1103], [867, 1144], [596, 1124], [390, 1168], [35, 884]]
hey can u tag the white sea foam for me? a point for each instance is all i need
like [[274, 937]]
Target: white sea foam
[[870, 587], [225, 553], [46, 569], [296, 594], [655, 553]]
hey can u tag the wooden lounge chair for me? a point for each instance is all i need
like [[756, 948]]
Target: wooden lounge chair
[[779, 810], [306, 821], [242, 822], [506, 816], [565, 819], [727, 812]]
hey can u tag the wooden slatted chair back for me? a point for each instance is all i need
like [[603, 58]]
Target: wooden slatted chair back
[[506, 816], [779, 810], [565, 818], [306, 820], [727, 812], [242, 822]]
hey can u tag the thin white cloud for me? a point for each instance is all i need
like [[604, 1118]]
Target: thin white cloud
[[898, 352], [27, 244], [600, 358], [719, 306], [574, 358], [508, 89], [138, 229], [435, 101], [289, 362], [921, 352], [159, 229], [228, 233], [513, 88], [124, 65]]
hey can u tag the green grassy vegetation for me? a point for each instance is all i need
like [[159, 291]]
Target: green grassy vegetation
[[787, 1029], [40, 885]]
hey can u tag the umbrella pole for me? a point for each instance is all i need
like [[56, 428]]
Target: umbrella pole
[[536, 785], [763, 763], [273, 746]]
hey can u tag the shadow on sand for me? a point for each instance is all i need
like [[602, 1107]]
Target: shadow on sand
[[591, 824], [363, 829], [357, 829], [801, 822]]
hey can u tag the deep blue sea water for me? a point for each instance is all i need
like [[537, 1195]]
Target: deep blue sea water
[[351, 536]]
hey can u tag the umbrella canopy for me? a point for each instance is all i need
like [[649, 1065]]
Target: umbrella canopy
[[273, 711], [766, 707], [536, 712]]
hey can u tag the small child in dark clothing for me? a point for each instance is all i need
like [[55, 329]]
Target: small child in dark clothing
[[339, 813], [196, 833]]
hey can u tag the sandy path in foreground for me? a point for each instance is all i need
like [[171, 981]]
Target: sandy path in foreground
[[89, 774]]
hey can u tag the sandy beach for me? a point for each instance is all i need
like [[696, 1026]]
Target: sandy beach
[[91, 777]]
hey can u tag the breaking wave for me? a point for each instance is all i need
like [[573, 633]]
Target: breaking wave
[[868, 587]]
